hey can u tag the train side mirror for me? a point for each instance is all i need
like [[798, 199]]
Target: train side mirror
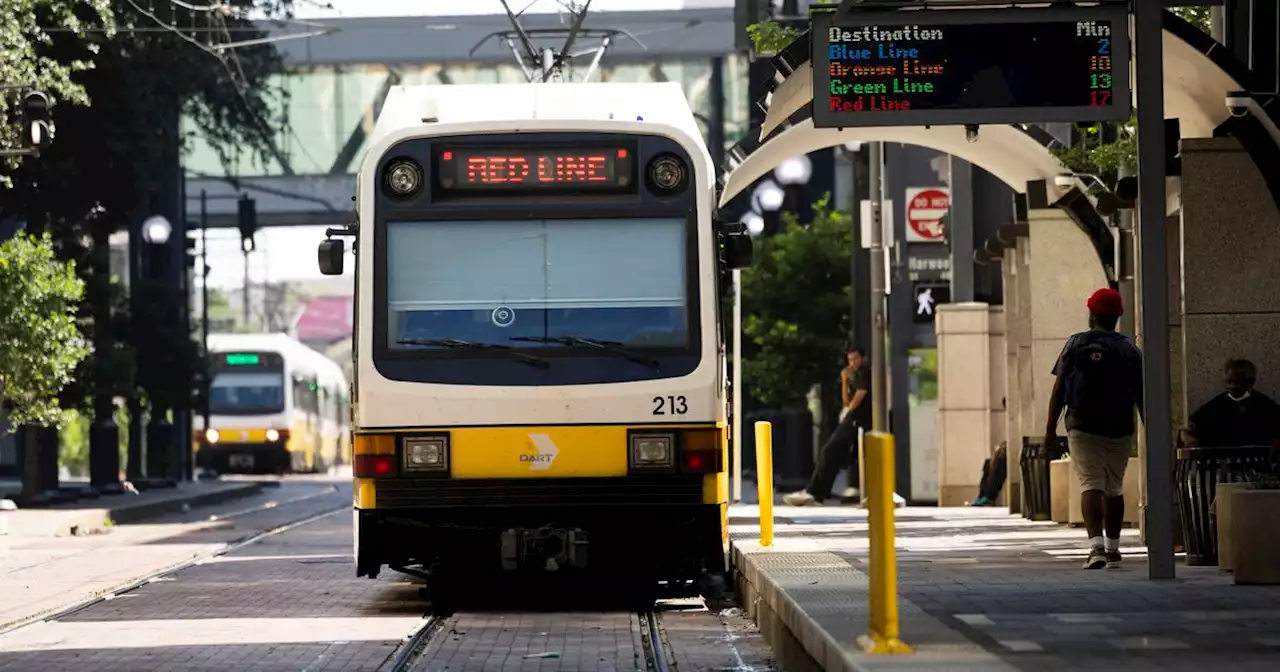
[[736, 248], [330, 255], [739, 250]]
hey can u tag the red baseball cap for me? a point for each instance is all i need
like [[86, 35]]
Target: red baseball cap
[[1106, 302]]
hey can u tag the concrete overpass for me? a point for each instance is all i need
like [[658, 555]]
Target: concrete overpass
[[338, 82]]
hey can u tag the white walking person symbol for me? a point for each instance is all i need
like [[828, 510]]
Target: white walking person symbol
[[924, 301]]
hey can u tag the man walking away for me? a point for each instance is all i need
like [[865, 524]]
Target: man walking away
[[842, 447], [1099, 383]]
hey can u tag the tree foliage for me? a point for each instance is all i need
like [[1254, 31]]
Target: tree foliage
[[28, 31], [796, 306], [39, 344], [114, 160]]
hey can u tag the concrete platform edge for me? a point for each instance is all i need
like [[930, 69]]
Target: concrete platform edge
[[754, 586], [96, 519]]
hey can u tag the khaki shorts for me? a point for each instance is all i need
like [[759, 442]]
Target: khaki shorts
[[1100, 461]]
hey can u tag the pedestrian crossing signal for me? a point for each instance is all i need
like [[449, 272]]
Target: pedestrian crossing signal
[[928, 297]]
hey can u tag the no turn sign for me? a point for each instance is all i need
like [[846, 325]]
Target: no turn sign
[[926, 206]]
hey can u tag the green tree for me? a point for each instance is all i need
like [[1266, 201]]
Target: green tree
[[26, 58], [115, 162], [796, 306], [1196, 16], [39, 344]]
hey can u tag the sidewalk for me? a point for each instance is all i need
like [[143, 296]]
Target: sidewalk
[[983, 590], [90, 516], [40, 574]]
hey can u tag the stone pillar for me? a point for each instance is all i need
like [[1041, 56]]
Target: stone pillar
[[1016, 319], [1064, 271], [1230, 243], [964, 399], [1173, 266], [996, 384]]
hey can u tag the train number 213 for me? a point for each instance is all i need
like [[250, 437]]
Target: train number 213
[[670, 405]]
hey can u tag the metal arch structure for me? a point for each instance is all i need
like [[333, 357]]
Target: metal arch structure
[[1193, 56]]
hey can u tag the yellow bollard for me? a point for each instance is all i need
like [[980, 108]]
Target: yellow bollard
[[764, 479], [884, 635]]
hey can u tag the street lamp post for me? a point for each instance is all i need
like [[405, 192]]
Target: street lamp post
[[156, 234]]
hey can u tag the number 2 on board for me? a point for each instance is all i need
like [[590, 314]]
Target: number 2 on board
[[1104, 46]]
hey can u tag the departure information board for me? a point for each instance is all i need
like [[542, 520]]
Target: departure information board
[[535, 169], [970, 67]]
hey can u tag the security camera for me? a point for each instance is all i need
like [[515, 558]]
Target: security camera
[[971, 132], [1238, 103], [1065, 181]]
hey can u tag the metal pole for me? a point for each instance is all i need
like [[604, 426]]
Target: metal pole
[[855, 239], [879, 415], [737, 385], [1149, 66], [204, 296], [245, 303]]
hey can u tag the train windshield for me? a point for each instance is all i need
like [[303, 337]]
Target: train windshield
[[515, 283], [235, 393]]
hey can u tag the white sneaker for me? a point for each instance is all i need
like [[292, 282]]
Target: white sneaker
[[849, 493], [898, 501], [801, 498]]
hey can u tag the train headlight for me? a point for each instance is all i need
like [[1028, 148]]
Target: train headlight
[[211, 435], [652, 451], [273, 435], [426, 454], [668, 173], [404, 178]]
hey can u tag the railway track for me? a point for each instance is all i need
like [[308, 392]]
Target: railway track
[[416, 650]]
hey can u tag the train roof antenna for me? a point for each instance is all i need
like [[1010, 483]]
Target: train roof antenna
[[541, 64]]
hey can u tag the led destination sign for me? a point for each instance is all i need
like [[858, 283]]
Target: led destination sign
[[970, 67], [604, 169]]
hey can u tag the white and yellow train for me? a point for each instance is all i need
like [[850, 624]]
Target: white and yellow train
[[540, 373], [276, 406]]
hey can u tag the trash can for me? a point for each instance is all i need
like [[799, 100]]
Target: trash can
[[1034, 466], [1198, 473], [792, 446]]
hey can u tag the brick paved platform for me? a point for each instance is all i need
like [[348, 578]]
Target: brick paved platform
[[41, 574], [984, 590], [90, 516]]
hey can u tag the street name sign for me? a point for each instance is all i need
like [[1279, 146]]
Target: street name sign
[[976, 66]]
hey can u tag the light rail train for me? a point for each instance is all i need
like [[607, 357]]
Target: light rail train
[[540, 378], [276, 407]]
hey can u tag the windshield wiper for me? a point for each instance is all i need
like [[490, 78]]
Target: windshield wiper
[[457, 343], [611, 347]]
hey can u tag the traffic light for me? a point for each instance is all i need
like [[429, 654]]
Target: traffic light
[[248, 222], [37, 126]]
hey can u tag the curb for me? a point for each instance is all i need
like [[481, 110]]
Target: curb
[[777, 613], [100, 519]]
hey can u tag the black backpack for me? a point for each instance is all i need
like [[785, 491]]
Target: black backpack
[[1098, 387]]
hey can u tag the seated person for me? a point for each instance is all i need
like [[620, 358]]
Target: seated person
[[1240, 416], [994, 471]]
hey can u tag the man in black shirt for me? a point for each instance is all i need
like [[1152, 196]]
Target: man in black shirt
[[842, 447], [1240, 416], [1099, 383]]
